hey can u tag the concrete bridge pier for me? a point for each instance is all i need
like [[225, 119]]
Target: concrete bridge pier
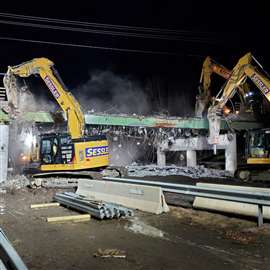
[[226, 142]]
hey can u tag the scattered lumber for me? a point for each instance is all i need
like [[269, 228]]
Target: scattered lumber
[[110, 253], [44, 205], [75, 218]]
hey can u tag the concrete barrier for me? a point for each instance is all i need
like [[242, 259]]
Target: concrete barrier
[[145, 198], [244, 209]]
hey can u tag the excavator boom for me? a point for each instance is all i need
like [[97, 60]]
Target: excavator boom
[[210, 66]]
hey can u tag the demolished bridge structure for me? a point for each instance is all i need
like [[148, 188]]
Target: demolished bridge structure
[[166, 134]]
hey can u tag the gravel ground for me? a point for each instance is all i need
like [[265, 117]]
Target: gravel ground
[[181, 239]]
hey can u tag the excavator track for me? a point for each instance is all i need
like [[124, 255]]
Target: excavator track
[[69, 179]]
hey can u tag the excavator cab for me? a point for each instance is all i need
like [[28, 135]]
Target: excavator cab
[[58, 152], [56, 149], [258, 146]]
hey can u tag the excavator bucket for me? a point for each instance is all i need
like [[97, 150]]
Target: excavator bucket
[[214, 120], [10, 84]]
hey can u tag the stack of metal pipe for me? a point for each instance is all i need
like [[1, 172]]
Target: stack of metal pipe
[[97, 209]]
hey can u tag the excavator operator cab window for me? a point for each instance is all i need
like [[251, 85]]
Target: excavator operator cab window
[[260, 144], [50, 152], [46, 151]]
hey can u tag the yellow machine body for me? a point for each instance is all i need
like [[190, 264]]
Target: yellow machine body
[[258, 161], [86, 155]]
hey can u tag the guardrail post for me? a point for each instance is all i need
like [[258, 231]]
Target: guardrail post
[[260, 215]]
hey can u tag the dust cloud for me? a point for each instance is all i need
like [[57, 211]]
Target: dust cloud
[[105, 91], [29, 102]]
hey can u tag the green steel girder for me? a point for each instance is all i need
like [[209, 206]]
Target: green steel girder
[[39, 117], [140, 121], [3, 117], [176, 122]]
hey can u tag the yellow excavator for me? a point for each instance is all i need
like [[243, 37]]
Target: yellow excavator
[[70, 151], [204, 97], [257, 141]]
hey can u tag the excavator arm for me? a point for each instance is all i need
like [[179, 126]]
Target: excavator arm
[[45, 69], [210, 66], [243, 70]]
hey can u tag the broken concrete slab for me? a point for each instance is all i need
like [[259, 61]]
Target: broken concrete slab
[[145, 198]]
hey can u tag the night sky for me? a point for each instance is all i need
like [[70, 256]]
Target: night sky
[[223, 30]]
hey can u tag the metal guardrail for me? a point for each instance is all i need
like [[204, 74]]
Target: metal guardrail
[[258, 198], [9, 258]]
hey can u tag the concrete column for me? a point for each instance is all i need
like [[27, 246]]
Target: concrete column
[[191, 158], [161, 157], [231, 155], [4, 136]]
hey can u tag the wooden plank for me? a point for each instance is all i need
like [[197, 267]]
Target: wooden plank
[[76, 218], [43, 205]]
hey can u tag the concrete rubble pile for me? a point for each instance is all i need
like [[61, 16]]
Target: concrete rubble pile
[[97, 209], [193, 172], [16, 182]]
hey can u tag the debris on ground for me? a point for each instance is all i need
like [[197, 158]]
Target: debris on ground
[[193, 172], [15, 183], [2, 205], [110, 253], [264, 229], [81, 240], [208, 219], [97, 209], [53, 182], [138, 226], [242, 237]]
